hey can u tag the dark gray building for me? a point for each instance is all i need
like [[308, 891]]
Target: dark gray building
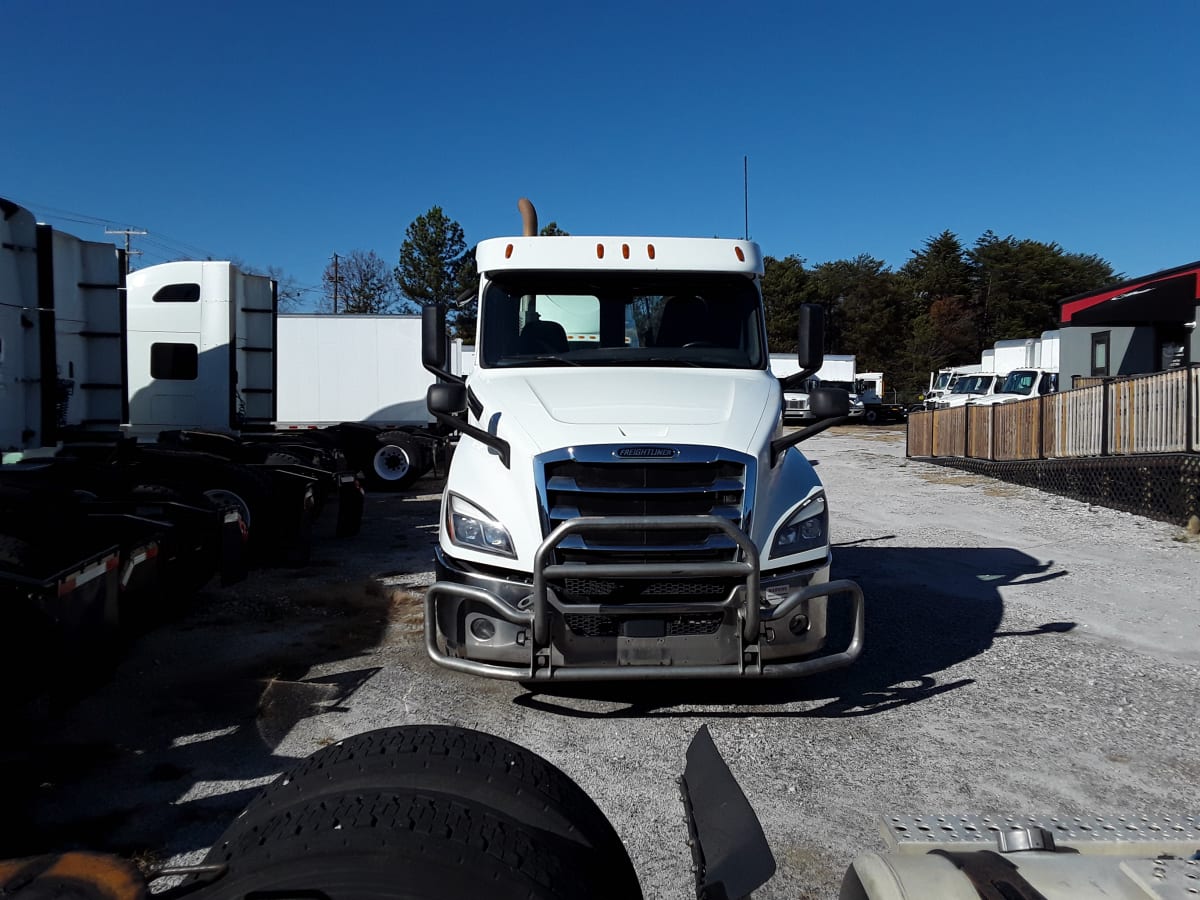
[[1144, 325]]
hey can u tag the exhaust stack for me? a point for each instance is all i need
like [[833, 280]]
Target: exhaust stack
[[528, 217]]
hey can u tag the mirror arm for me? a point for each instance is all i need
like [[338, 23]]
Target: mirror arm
[[790, 440], [796, 379], [460, 424]]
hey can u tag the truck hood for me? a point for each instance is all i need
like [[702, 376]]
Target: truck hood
[[557, 408]]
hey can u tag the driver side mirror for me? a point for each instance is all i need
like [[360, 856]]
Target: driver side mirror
[[433, 337], [829, 403], [810, 334], [449, 398]]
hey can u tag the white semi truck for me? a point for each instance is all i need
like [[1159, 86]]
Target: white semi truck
[[210, 358], [627, 506]]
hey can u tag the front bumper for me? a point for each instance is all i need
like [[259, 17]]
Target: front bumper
[[526, 635]]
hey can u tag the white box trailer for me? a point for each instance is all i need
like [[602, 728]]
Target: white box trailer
[[353, 368], [1018, 353]]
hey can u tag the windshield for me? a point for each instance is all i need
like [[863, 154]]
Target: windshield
[[1019, 382], [973, 384], [630, 319]]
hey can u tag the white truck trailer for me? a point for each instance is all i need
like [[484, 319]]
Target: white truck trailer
[[353, 368], [629, 507]]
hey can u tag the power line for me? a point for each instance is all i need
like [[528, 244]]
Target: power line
[[129, 252]]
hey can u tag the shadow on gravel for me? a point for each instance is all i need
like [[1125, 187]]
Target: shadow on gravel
[[928, 608], [160, 756]]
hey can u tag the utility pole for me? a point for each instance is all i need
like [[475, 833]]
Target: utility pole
[[128, 232], [336, 282]]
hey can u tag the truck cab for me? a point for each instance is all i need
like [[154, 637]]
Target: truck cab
[[1021, 384], [971, 388], [622, 501]]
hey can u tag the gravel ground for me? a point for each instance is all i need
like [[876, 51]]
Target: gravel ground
[[1025, 653]]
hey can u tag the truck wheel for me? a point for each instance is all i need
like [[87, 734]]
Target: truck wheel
[[246, 488], [226, 497], [417, 845], [397, 462], [483, 768], [277, 458], [871, 416]]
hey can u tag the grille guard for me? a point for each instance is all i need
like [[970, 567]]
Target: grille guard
[[745, 600]]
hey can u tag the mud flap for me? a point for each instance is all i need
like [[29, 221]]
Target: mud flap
[[350, 505], [730, 854]]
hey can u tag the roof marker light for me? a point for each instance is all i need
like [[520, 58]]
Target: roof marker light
[[508, 252], [599, 251], [650, 250], [625, 251], [740, 255]]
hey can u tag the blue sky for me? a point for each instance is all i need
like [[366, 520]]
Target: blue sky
[[280, 133]]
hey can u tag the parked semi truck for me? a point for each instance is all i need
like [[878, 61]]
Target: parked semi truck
[[629, 506], [878, 407], [212, 363], [91, 527]]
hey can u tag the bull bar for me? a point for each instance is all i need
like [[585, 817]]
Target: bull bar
[[745, 600]]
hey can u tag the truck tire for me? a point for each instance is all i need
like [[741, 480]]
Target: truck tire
[[482, 768], [871, 416], [245, 488], [280, 458], [398, 461], [403, 846]]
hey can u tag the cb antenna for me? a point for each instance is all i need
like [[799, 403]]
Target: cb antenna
[[746, 195]]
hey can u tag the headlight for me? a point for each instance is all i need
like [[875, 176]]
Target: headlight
[[469, 526], [806, 529]]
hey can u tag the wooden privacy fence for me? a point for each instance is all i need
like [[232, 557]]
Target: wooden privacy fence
[[1148, 414]]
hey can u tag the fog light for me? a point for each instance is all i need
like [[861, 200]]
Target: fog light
[[483, 629], [798, 624]]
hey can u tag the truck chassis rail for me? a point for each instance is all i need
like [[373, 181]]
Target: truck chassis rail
[[745, 600]]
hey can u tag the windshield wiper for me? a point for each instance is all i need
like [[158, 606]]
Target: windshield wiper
[[555, 360]]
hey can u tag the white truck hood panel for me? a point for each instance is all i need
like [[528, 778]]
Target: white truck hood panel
[[562, 407]]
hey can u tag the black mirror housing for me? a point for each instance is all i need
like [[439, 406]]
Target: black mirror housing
[[810, 335], [449, 398], [433, 337], [829, 403]]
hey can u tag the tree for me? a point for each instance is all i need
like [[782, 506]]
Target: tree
[[466, 315], [360, 282], [785, 285], [942, 313], [552, 230], [1018, 284], [290, 292], [432, 258]]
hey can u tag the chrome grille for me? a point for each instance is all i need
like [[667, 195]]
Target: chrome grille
[[606, 482], [661, 487]]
